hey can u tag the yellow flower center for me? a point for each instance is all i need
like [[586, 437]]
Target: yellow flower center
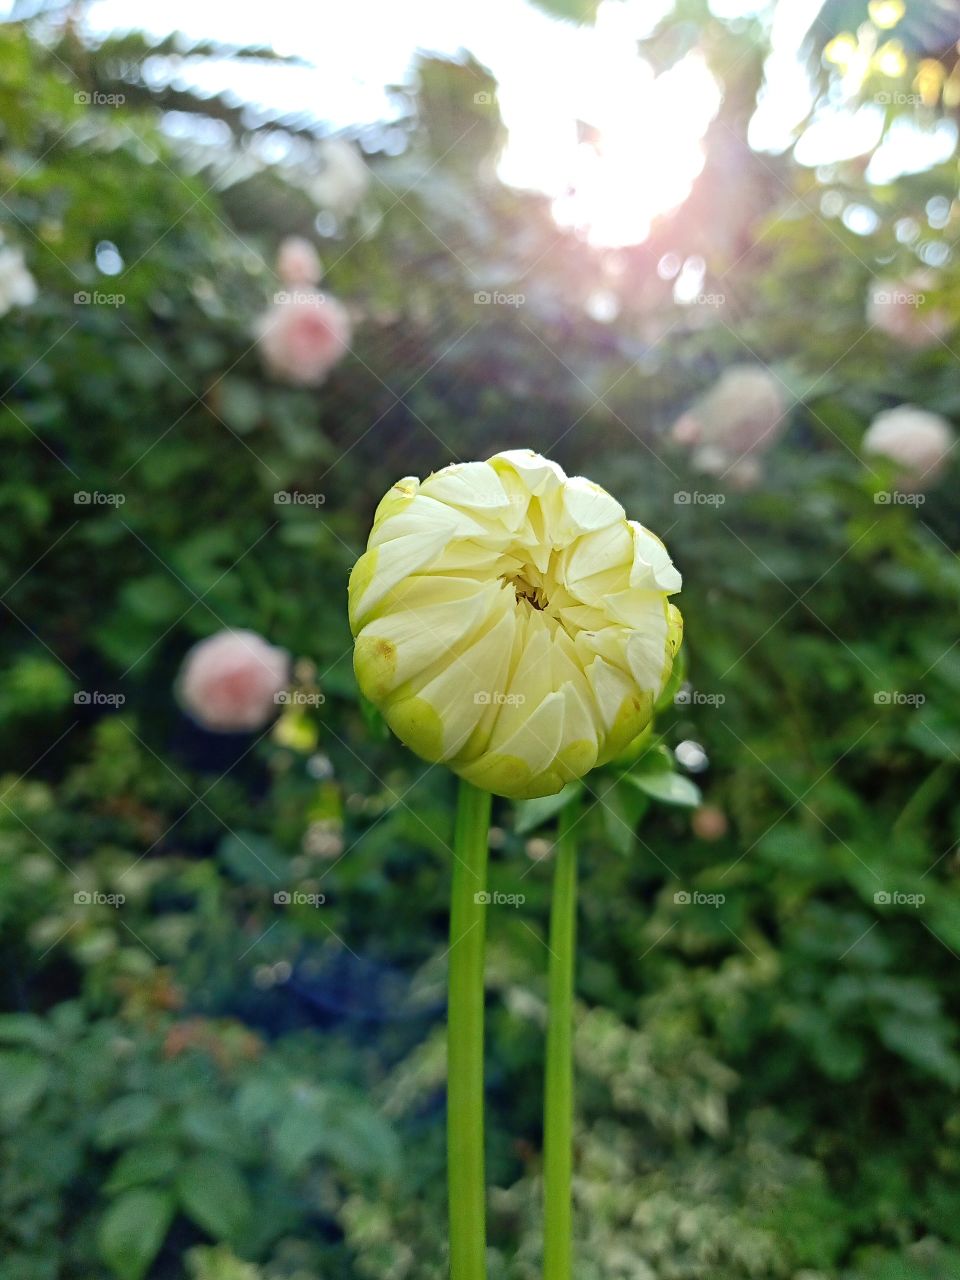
[[528, 591], [540, 590]]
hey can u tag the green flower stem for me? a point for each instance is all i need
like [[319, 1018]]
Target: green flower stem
[[465, 1177], [558, 1092]]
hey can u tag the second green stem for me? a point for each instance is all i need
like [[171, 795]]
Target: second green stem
[[558, 1091]]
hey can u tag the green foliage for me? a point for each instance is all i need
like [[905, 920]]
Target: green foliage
[[173, 1121]]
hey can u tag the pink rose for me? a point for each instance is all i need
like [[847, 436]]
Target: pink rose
[[302, 336], [918, 441], [298, 261], [897, 308], [230, 681]]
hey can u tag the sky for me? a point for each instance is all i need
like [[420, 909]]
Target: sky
[[550, 74]]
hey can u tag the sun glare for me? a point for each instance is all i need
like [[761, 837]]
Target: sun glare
[[620, 148], [590, 124]]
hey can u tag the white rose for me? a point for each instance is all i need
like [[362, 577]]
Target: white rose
[[17, 286], [742, 414], [918, 441]]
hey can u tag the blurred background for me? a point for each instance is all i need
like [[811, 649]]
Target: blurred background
[[704, 253]]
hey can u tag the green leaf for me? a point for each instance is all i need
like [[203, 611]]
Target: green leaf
[[301, 1133], [132, 1231], [23, 1078], [922, 1042], [362, 1141], [373, 721], [26, 1028], [155, 598], [217, 1262], [259, 1100], [656, 759], [254, 860], [934, 730], [632, 806], [127, 1117], [213, 1127], [36, 686], [668, 788], [150, 1162], [618, 818], [213, 1194], [340, 1127], [240, 405], [534, 813]]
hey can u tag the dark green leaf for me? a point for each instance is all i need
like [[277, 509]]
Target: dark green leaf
[[214, 1194], [668, 788], [534, 813], [132, 1231]]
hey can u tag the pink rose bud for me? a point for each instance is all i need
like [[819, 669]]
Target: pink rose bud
[[298, 261], [302, 336], [232, 682], [709, 823]]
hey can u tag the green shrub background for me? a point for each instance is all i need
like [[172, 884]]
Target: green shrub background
[[199, 1083]]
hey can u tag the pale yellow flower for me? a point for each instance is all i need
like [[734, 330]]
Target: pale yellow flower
[[511, 622]]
